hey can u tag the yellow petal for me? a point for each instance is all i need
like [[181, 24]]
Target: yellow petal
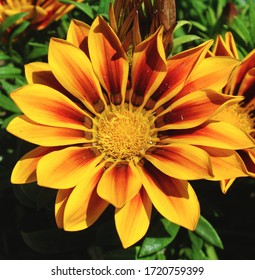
[[84, 206], [174, 199], [25, 169], [109, 60], [43, 135], [47, 106], [73, 70], [212, 73], [64, 169], [226, 164], [119, 183], [181, 161], [239, 73], [192, 109], [148, 68], [133, 219], [60, 204], [212, 134], [179, 67], [77, 35], [40, 73]]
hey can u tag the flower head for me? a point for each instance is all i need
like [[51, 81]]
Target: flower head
[[40, 12], [240, 83], [125, 133]]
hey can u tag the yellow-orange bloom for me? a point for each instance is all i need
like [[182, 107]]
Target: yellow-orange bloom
[[241, 83], [126, 134], [40, 12]]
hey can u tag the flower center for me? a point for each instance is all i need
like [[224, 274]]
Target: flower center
[[124, 135], [242, 117]]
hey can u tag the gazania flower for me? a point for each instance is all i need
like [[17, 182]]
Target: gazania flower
[[41, 12], [128, 135], [241, 83]]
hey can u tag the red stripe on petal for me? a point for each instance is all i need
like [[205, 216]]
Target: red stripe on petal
[[148, 68], [77, 35], [43, 135], [119, 183], [109, 60], [133, 219], [65, 168], [84, 206], [179, 68], [174, 199], [74, 71], [181, 161]]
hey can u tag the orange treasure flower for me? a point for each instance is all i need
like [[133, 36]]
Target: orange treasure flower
[[126, 133], [41, 12], [240, 83]]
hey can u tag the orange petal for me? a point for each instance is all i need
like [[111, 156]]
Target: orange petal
[[25, 169], [60, 204], [239, 73], [181, 161], [119, 183], [47, 106], [133, 219], [84, 206], [77, 35], [65, 168], [109, 60], [226, 164], [212, 134], [73, 70], [40, 73], [192, 110], [43, 135], [225, 48], [174, 199], [248, 157], [212, 73], [179, 68], [226, 184], [148, 68], [246, 88]]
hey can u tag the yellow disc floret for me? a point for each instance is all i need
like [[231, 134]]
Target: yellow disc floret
[[123, 135], [239, 116]]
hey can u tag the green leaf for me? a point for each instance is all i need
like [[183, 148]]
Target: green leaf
[[252, 20], [23, 26], [10, 21], [152, 245], [39, 50], [4, 56], [184, 39], [7, 104], [241, 29], [84, 7], [206, 231], [181, 23], [103, 8], [171, 228], [8, 71]]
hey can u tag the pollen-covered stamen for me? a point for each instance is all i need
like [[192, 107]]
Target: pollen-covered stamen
[[124, 135], [238, 115]]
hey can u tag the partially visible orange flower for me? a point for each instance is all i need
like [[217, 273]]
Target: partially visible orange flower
[[129, 133], [40, 12], [240, 83]]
